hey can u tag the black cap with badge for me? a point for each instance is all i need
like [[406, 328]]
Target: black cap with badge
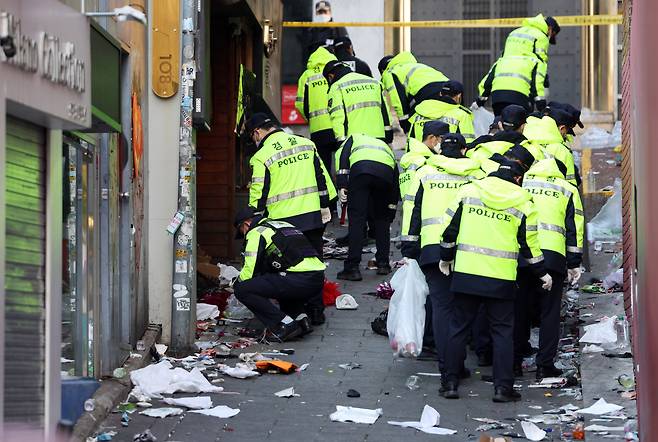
[[513, 116], [257, 120], [550, 21], [383, 63], [562, 118], [243, 215], [435, 127], [452, 88], [573, 111]]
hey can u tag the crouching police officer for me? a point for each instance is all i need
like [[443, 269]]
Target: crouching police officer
[[489, 223], [279, 263]]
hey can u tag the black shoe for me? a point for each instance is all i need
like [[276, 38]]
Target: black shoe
[[383, 269], [528, 351], [518, 370], [465, 373], [316, 315], [504, 394], [547, 371], [304, 323], [450, 390], [350, 275], [485, 360], [285, 332]]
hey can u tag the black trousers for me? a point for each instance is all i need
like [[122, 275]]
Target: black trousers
[[498, 106], [481, 335], [292, 290], [442, 302], [315, 238], [530, 294], [500, 313], [366, 191], [326, 149]]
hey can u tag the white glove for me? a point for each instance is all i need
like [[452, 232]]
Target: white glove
[[475, 106], [342, 195], [326, 215], [547, 282], [446, 267], [573, 275]]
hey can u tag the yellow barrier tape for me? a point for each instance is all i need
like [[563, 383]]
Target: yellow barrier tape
[[564, 20]]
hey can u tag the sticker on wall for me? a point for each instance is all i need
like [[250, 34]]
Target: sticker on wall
[[183, 304], [181, 253], [175, 223], [180, 266], [183, 240]]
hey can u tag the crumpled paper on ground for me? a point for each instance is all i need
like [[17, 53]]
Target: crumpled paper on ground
[[206, 311], [288, 392], [194, 403], [429, 423], [240, 371], [156, 379], [346, 302], [600, 407], [227, 274], [603, 428], [592, 348], [601, 333], [532, 431], [162, 412], [221, 411], [356, 415]]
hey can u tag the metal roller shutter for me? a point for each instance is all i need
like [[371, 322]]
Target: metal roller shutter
[[25, 271]]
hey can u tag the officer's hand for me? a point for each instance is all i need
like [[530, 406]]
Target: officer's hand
[[547, 282], [446, 267], [540, 105], [326, 215], [342, 195], [573, 275]]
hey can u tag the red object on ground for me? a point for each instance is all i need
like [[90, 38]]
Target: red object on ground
[[330, 292], [343, 212], [289, 114], [216, 297]]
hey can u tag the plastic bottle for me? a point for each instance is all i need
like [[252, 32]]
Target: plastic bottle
[[412, 382], [623, 333]]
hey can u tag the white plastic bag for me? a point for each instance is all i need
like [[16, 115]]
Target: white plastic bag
[[606, 225], [482, 119], [406, 310], [237, 310]]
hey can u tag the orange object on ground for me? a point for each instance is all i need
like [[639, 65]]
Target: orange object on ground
[[284, 367]]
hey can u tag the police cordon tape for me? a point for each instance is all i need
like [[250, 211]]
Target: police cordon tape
[[563, 20]]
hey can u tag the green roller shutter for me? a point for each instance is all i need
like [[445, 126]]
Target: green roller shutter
[[25, 272]]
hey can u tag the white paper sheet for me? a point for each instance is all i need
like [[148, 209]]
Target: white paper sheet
[[194, 403], [221, 411], [356, 415], [600, 407], [346, 302], [532, 431], [600, 333], [592, 348], [156, 379], [238, 372], [603, 428], [206, 311], [429, 421], [162, 412], [288, 392]]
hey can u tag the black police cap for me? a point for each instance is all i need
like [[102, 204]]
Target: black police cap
[[243, 215], [562, 118], [383, 63], [332, 66], [520, 153], [257, 120], [550, 21], [435, 127], [453, 140], [575, 112], [513, 116], [342, 41], [452, 87], [513, 166]]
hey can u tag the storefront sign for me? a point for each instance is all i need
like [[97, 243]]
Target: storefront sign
[[46, 55], [289, 113], [166, 43]]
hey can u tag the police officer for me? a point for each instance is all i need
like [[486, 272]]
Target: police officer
[[281, 264], [489, 223], [533, 37], [409, 83], [438, 182], [322, 37], [311, 102], [551, 132], [356, 104], [290, 183], [514, 79], [560, 226], [445, 107], [414, 159], [345, 53], [368, 176]]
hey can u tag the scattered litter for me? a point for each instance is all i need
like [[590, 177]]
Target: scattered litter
[[108, 435], [119, 372], [126, 407], [303, 367], [288, 392], [146, 436], [550, 383], [592, 348], [491, 424], [630, 395], [227, 274], [350, 365], [240, 371], [429, 423], [159, 378], [346, 302], [237, 310], [136, 355], [162, 412], [412, 382], [356, 415], [626, 381], [384, 290], [330, 292], [276, 366], [206, 311], [353, 393], [144, 404], [252, 357], [532, 431], [600, 407], [438, 375], [600, 333], [614, 280], [603, 428], [221, 411], [606, 225], [161, 349], [125, 420], [194, 403]]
